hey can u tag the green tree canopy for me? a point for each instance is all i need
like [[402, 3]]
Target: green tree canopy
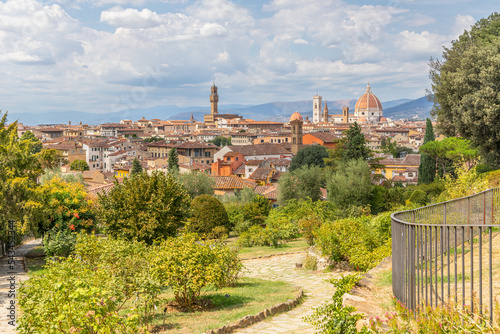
[[173, 160], [457, 150], [197, 183], [350, 185], [145, 207], [36, 144], [208, 213], [136, 167], [311, 155], [465, 86], [427, 167], [355, 147], [80, 165], [221, 141], [301, 183]]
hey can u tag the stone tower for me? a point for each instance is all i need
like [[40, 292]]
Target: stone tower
[[296, 122], [214, 100], [345, 115], [325, 114], [317, 109]]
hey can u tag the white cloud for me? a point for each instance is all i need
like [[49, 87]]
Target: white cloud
[[462, 22], [424, 43], [131, 18]]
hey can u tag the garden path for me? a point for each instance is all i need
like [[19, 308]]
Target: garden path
[[282, 268], [6, 274]]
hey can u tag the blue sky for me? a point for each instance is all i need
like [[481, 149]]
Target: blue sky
[[108, 55]]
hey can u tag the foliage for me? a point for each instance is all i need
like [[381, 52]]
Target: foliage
[[257, 210], [418, 197], [145, 207], [35, 143], [50, 174], [301, 183], [187, 265], [208, 213], [389, 146], [427, 167], [311, 155], [350, 185], [59, 243], [456, 150], [362, 242], [355, 145], [80, 165], [221, 141], [379, 199], [333, 317], [60, 205], [19, 169], [465, 85], [152, 139], [197, 184], [310, 262], [308, 227], [173, 160], [50, 158], [446, 318], [467, 182], [268, 236], [136, 167], [109, 274]]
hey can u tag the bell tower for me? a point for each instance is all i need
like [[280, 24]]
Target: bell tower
[[325, 113], [296, 122], [214, 100], [317, 109]]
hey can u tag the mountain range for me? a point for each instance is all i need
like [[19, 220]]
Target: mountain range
[[272, 111]]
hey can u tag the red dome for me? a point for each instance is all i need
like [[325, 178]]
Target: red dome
[[362, 119], [296, 117], [368, 101]]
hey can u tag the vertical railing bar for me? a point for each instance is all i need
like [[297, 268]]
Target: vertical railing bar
[[471, 229], [480, 270], [418, 264], [436, 263], [425, 263], [430, 263], [448, 257], [463, 266], [490, 273], [441, 229], [456, 268]]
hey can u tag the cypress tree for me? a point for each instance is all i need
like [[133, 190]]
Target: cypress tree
[[173, 160], [136, 167], [427, 168]]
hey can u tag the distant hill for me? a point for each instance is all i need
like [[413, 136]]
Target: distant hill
[[272, 111], [414, 109]]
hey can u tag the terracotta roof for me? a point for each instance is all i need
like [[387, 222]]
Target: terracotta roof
[[368, 101], [270, 192], [412, 160], [281, 162], [197, 144], [231, 182], [240, 170], [324, 193], [276, 176], [327, 137], [261, 173], [103, 190], [260, 149]]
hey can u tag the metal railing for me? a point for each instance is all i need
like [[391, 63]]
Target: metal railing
[[444, 252]]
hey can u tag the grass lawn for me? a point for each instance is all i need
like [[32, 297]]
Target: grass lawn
[[248, 252], [248, 297]]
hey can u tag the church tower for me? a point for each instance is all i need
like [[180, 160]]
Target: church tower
[[214, 100], [325, 114], [345, 115], [296, 122], [317, 109]]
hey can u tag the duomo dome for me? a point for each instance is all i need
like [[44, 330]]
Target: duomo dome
[[368, 107]]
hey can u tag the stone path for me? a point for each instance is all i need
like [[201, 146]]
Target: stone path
[[282, 268], [6, 274]]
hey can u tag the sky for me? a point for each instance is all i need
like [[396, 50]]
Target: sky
[[109, 55]]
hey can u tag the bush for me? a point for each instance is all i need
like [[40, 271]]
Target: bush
[[59, 243], [418, 197], [257, 209], [187, 265], [234, 213], [268, 236], [310, 263], [208, 213], [85, 292], [243, 226], [308, 227]]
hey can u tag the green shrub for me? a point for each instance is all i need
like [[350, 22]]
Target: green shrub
[[235, 213], [333, 317], [310, 263], [259, 236], [243, 226], [418, 197], [59, 243], [208, 213], [256, 210], [308, 227], [85, 292], [187, 265]]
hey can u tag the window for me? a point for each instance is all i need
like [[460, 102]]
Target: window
[[236, 159], [410, 174]]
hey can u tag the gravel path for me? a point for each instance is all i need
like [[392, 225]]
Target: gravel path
[[282, 268], [9, 273]]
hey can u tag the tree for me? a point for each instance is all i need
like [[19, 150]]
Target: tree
[[36, 144], [301, 183], [19, 169], [465, 86], [312, 155], [450, 150], [427, 168], [208, 214], [136, 167], [221, 141], [50, 158], [389, 146], [173, 160], [80, 165], [350, 185], [197, 183], [355, 144], [145, 207]]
